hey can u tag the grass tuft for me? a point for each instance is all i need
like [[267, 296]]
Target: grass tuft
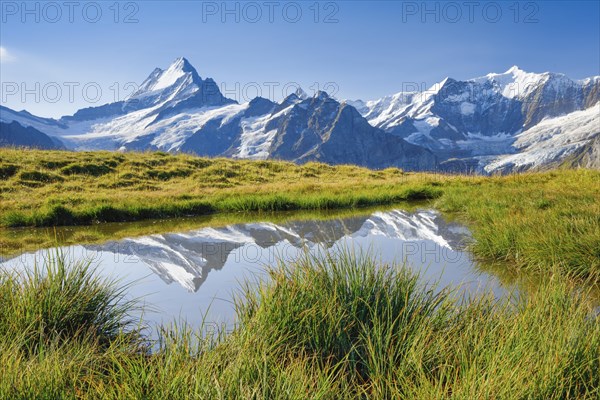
[[88, 169], [61, 301]]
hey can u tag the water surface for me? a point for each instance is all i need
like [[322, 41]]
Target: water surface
[[192, 275]]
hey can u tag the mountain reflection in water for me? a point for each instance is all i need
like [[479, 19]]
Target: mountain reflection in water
[[187, 258]]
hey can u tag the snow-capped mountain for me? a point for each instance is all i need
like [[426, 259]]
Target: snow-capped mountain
[[164, 92], [499, 122], [176, 110], [25, 119], [469, 123]]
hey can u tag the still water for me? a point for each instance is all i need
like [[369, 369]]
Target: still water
[[193, 275]]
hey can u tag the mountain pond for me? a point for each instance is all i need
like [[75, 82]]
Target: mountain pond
[[193, 275]]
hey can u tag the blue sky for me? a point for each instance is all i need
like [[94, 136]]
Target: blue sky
[[356, 49]]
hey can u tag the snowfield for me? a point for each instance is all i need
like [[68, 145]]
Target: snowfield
[[550, 141]]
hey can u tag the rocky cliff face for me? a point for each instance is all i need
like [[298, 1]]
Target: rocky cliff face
[[314, 129], [558, 95], [322, 129], [587, 156]]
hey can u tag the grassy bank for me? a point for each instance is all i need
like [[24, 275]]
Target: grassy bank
[[64, 188], [537, 222], [339, 327]]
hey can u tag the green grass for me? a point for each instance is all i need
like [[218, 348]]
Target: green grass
[[533, 222], [54, 188], [58, 302], [329, 327]]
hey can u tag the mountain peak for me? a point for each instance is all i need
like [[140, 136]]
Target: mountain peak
[[178, 68], [181, 64], [301, 93], [514, 82], [162, 79], [514, 70], [512, 73], [321, 95], [177, 86], [181, 59], [298, 96], [437, 87]]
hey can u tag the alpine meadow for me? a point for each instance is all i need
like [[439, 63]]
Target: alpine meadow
[[290, 200]]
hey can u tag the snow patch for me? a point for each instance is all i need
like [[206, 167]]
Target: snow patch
[[255, 141], [467, 108]]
